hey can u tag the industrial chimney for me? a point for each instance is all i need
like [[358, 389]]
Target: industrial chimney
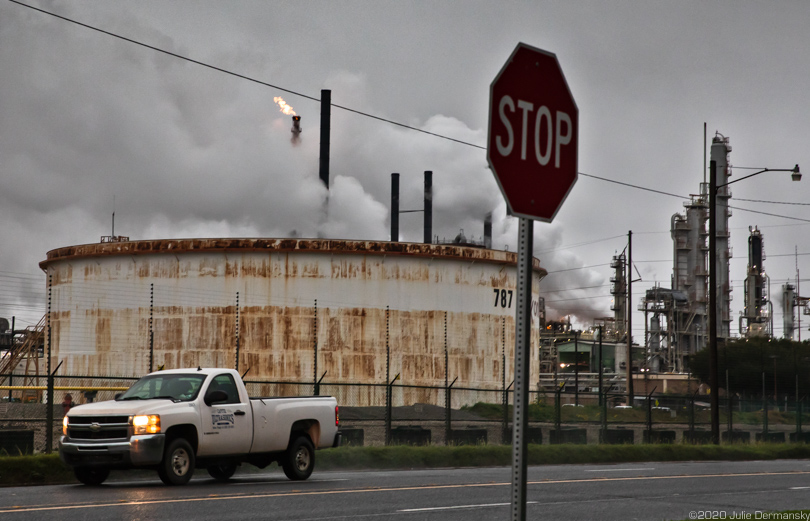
[[394, 207], [488, 231], [326, 123], [428, 235]]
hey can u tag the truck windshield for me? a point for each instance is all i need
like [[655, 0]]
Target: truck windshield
[[177, 387]]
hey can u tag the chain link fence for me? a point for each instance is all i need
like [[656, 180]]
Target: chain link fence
[[394, 413]]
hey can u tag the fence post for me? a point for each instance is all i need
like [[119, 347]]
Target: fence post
[[692, 415], [649, 414], [798, 405], [318, 384], [730, 417], [49, 411], [558, 406], [603, 411], [764, 407], [388, 414], [388, 405], [49, 416], [603, 415], [448, 426], [506, 439]]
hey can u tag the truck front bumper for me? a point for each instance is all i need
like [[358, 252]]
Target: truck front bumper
[[137, 451]]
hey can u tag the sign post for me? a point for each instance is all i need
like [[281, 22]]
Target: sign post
[[532, 150]]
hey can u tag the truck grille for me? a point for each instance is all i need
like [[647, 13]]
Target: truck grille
[[98, 427]]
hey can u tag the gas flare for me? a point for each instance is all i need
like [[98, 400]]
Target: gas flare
[[285, 108]]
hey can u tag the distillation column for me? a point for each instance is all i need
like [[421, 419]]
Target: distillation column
[[719, 154]]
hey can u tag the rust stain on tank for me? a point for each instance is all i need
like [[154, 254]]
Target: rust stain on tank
[[194, 314], [63, 275], [285, 245], [310, 270]]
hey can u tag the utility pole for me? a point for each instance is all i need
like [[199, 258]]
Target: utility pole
[[629, 278]]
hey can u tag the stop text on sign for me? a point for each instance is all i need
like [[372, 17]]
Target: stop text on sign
[[550, 132]]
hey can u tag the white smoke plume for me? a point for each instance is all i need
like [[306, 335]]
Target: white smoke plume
[[211, 158]]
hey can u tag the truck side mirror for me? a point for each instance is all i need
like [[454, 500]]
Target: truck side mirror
[[215, 396]]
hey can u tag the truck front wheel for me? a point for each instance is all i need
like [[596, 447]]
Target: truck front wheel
[[299, 460], [92, 476], [178, 463]]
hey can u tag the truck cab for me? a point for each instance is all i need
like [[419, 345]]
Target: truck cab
[[178, 420]]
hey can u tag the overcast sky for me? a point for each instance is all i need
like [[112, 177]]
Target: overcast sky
[[190, 152]]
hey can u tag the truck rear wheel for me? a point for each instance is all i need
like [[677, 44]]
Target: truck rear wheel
[[177, 466], [299, 460], [92, 476], [222, 472]]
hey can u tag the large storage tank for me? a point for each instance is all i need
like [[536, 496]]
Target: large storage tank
[[290, 310]]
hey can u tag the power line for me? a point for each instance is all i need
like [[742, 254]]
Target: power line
[[633, 186], [771, 202], [577, 245], [787, 254], [580, 268], [241, 76], [685, 198], [547, 291], [769, 214]]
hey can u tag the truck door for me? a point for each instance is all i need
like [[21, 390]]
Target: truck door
[[227, 426]]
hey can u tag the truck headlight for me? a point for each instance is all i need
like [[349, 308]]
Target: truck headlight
[[146, 424], [64, 425]]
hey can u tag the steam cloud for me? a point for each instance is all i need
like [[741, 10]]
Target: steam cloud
[[179, 168]]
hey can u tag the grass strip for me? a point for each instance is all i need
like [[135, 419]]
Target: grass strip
[[39, 469], [500, 455], [48, 469]]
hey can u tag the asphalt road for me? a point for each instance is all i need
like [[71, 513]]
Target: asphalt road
[[650, 491]]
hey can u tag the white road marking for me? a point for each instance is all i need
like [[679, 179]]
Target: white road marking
[[798, 488], [430, 509], [303, 493], [274, 479], [620, 470]]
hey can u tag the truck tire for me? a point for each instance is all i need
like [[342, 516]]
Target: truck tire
[[299, 460], [177, 466], [222, 472], [92, 476]]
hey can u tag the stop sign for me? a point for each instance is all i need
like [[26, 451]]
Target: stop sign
[[532, 135]]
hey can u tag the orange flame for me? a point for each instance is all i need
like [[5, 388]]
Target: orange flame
[[286, 109]]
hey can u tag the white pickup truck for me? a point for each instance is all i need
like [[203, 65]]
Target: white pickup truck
[[177, 420]]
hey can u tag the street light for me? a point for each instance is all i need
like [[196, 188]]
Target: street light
[[713, 377]]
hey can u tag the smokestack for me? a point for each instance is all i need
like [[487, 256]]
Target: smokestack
[[488, 231], [394, 207], [428, 207], [326, 119]]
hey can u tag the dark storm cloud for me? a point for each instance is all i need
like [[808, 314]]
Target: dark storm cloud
[[187, 151]]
